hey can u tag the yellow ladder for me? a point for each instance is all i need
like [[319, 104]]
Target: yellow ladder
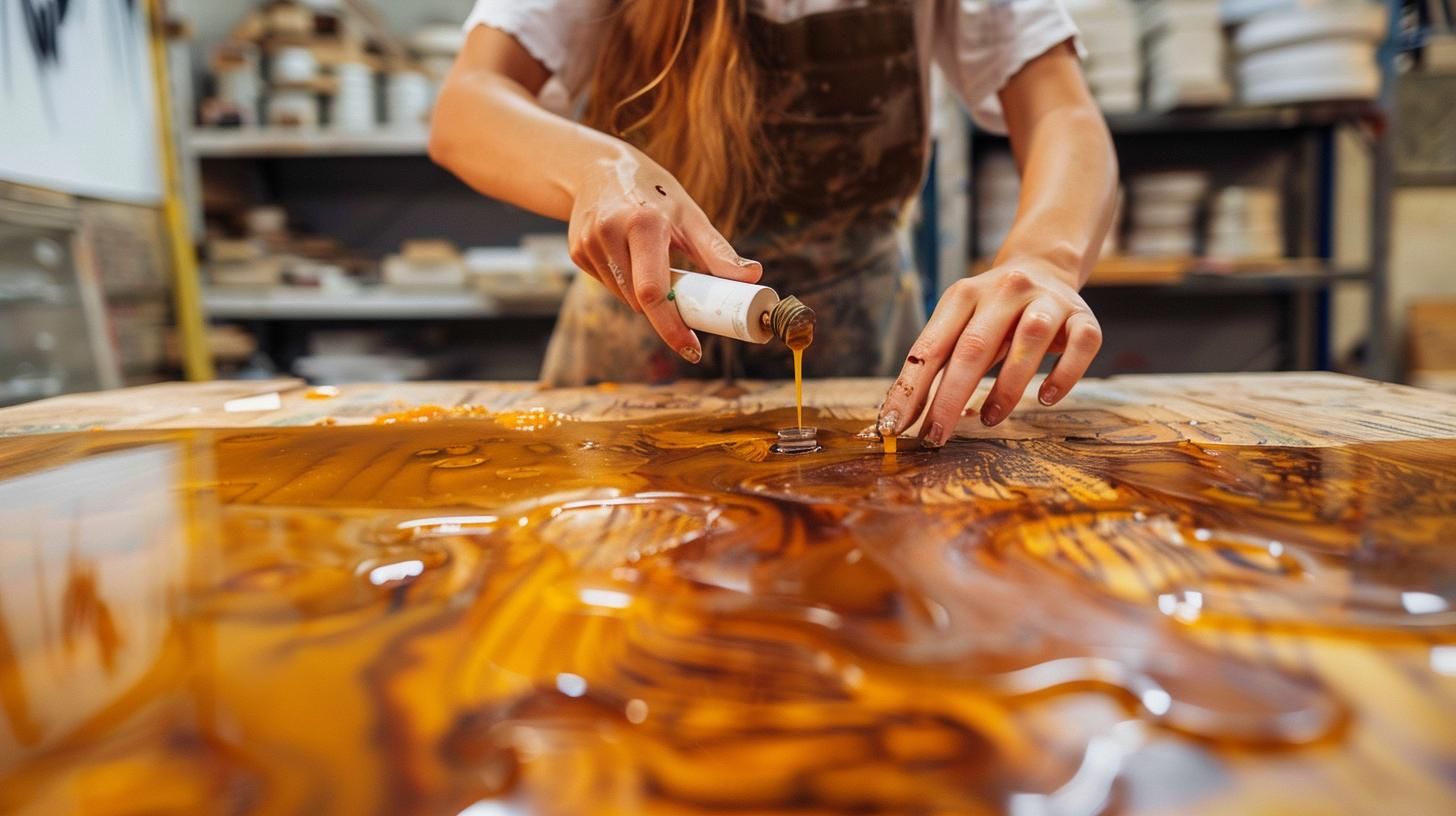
[[187, 288]]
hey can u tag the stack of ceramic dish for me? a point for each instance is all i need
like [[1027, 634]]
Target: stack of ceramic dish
[[239, 80], [1237, 11], [1184, 46], [1113, 67], [355, 107], [1245, 224], [1311, 51], [998, 188], [1164, 213], [407, 101]]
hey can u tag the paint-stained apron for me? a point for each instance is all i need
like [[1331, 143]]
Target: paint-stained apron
[[844, 120]]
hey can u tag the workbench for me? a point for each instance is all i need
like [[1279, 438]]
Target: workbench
[[1224, 594], [1301, 409]]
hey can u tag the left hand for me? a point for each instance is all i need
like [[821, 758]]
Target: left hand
[[1018, 311]]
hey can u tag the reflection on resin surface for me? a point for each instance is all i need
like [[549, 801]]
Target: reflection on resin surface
[[574, 617]]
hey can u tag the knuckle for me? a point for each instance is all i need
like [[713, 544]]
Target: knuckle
[[962, 290], [1087, 337], [1015, 282], [651, 292], [643, 221], [972, 347], [1037, 326], [610, 229]]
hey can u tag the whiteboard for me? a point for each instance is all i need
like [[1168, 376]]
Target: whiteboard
[[77, 98]]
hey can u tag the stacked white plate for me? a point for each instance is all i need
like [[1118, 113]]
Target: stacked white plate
[[1245, 223], [1164, 213], [1184, 46], [292, 65], [355, 105], [293, 107], [240, 83], [408, 99], [998, 189], [1114, 68], [1237, 11], [1311, 51]]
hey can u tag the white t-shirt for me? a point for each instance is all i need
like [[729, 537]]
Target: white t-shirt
[[978, 44]]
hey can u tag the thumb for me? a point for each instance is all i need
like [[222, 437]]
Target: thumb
[[715, 255]]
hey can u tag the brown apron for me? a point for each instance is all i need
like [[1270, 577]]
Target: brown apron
[[844, 117]]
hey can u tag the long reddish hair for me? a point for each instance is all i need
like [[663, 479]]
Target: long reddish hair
[[675, 79]]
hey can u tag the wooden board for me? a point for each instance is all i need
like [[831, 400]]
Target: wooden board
[[1302, 409]]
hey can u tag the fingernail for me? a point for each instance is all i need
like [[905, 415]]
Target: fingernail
[[991, 414], [1048, 395], [691, 354], [890, 422], [935, 437]]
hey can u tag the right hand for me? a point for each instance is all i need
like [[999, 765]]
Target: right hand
[[626, 217]]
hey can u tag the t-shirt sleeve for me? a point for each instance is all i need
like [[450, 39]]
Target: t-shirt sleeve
[[555, 32], [980, 44]]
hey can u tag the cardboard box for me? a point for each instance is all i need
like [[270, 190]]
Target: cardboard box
[[1431, 334]]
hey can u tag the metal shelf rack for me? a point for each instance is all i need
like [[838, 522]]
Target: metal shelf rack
[[1306, 132]]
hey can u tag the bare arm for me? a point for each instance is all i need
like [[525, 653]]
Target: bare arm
[[1027, 305], [625, 212], [1068, 167]]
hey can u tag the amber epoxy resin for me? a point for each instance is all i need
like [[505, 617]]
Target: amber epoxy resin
[[575, 617]]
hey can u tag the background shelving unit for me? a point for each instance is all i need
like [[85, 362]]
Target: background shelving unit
[[1298, 142], [372, 191]]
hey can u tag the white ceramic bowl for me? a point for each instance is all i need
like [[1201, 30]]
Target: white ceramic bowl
[[1352, 20], [293, 64]]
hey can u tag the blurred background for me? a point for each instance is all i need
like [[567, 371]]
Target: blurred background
[[240, 189]]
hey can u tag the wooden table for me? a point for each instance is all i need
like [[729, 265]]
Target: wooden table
[[1391, 752], [1301, 409]]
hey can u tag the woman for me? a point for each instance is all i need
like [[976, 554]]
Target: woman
[[794, 132]]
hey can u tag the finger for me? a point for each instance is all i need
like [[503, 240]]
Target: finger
[[974, 353], [713, 252], [589, 265], [647, 242], [582, 259], [588, 256], [1035, 331], [1084, 340], [615, 260], [908, 395]]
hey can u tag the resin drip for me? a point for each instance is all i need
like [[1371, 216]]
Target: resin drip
[[531, 616], [799, 387], [793, 322]]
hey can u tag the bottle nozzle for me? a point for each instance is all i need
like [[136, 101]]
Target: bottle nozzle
[[792, 322]]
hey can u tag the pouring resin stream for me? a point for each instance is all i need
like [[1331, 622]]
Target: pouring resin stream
[[753, 314], [530, 614]]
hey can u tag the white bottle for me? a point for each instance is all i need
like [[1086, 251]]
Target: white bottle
[[725, 307]]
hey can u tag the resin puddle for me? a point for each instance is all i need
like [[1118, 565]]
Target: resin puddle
[[570, 617]]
